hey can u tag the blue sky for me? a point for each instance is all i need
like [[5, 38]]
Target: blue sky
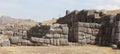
[[40, 10]]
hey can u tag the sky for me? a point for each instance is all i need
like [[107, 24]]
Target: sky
[[40, 10]]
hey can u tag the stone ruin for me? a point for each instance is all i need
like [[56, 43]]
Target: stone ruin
[[85, 27], [92, 27]]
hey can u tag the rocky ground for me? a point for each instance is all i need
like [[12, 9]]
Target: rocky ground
[[58, 50]]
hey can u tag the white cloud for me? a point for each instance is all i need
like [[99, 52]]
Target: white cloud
[[108, 7], [10, 7], [7, 4], [70, 1], [115, 1], [103, 4], [65, 1], [10, 4], [95, 0]]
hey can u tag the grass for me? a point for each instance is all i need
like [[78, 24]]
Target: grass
[[58, 50]]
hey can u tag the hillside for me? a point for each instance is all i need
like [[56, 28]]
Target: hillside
[[48, 22], [6, 20], [113, 11]]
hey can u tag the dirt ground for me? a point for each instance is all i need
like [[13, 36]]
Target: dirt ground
[[57, 50]]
